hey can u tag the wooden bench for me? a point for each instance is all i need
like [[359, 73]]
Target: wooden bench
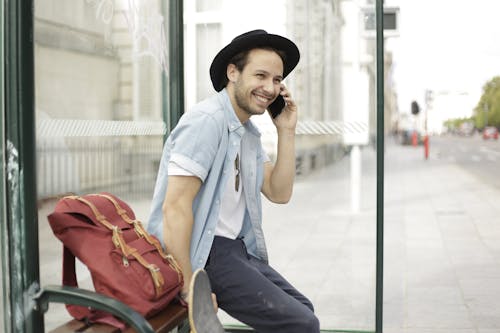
[[164, 322]]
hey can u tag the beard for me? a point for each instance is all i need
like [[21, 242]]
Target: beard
[[243, 101]]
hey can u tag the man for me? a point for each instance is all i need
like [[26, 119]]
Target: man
[[207, 203]]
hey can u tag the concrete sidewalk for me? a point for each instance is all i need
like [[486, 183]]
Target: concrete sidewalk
[[442, 247], [442, 258]]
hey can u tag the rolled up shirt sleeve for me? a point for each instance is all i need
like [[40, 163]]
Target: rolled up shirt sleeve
[[194, 143], [175, 170]]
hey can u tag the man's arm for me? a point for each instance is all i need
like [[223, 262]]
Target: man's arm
[[278, 178], [178, 221]]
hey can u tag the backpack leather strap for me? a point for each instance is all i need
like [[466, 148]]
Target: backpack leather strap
[[126, 250], [139, 229]]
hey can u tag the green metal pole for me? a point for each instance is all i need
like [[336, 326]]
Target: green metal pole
[[21, 194], [380, 167], [4, 260], [176, 63], [165, 86]]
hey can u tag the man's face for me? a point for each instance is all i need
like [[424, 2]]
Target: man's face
[[258, 84]]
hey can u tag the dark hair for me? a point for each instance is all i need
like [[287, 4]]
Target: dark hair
[[240, 59]]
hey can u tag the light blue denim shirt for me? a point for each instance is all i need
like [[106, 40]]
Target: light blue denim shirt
[[205, 142]]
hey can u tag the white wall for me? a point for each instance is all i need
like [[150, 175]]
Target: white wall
[[355, 59], [74, 85]]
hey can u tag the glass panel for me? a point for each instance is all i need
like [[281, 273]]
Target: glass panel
[[442, 212], [208, 5], [207, 42], [323, 240], [99, 97]]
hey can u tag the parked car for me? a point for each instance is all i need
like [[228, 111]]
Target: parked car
[[466, 129], [490, 132]]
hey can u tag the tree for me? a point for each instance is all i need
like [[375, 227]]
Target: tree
[[455, 124], [487, 111]]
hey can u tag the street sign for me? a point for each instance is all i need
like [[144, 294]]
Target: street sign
[[391, 22]]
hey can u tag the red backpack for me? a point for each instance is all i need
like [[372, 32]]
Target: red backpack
[[125, 262]]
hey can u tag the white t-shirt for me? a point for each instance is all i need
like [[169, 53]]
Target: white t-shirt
[[233, 205]]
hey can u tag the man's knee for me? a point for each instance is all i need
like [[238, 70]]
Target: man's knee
[[313, 324], [309, 323]]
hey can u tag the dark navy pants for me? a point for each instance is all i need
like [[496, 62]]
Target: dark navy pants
[[252, 292]]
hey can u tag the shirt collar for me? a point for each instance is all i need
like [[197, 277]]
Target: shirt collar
[[233, 122]]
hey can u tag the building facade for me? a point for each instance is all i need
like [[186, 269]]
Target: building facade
[[100, 61]]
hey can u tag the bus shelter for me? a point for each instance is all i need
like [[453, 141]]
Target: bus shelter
[[91, 89]]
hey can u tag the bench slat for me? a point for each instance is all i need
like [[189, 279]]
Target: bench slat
[[166, 320], [78, 326]]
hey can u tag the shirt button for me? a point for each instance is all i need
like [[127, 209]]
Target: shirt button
[[217, 201], [209, 232], [235, 143]]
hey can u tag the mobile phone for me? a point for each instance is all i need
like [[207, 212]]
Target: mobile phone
[[277, 106]]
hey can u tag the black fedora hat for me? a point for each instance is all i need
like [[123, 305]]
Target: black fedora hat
[[251, 40]]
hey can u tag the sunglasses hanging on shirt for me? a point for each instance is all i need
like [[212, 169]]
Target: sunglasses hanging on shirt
[[237, 173]]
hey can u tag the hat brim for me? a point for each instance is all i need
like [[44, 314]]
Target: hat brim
[[252, 41]]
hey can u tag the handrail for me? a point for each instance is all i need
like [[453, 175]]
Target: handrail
[[77, 296]]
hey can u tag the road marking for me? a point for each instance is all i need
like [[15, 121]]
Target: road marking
[[488, 151]]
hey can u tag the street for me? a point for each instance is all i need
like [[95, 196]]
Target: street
[[479, 157]]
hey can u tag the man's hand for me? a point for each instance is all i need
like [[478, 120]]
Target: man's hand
[[214, 301], [185, 297], [287, 119]]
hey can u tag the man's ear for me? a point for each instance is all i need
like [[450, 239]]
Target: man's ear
[[232, 73]]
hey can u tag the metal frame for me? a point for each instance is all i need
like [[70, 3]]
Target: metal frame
[[173, 111], [21, 209], [379, 293], [4, 260]]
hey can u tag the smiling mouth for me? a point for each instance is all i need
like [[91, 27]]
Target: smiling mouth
[[263, 99]]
